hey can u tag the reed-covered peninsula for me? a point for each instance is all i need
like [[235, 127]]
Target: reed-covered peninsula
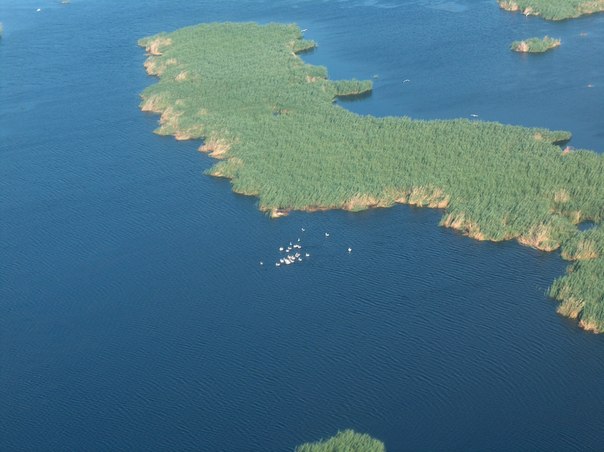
[[535, 45], [553, 9], [271, 121]]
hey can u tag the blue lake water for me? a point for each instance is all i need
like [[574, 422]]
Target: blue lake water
[[134, 313]]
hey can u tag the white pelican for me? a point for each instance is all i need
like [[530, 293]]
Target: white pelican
[[349, 250], [326, 234]]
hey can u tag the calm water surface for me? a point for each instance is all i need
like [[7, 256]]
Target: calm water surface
[[133, 309]]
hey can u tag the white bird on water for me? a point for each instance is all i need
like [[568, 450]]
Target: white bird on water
[[306, 29], [327, 234], [303, 229], [38, 10], [306, 255], [349, 250], [261, 263], [406, 80], [473, 115]]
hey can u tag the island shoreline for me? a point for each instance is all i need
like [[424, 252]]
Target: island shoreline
[[218, 146]]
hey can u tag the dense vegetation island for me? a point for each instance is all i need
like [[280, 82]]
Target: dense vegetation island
[[535, 45], [553, 9], [346, 441], [271, 121]]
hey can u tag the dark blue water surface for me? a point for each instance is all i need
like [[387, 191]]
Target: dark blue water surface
[[133, 309]]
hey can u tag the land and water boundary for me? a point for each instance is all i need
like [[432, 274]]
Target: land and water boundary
[[271, 121]]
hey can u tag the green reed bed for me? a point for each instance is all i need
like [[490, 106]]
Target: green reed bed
[[271, 120], [554, 9], [346, 441], [535, 45]]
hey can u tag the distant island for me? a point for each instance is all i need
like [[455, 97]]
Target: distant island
[[553, 9], [346, 441], [271, 121], [535, 45]]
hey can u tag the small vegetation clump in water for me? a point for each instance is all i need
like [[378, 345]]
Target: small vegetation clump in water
[[553, 9], [535, 45], [346, 441], [270, 120]]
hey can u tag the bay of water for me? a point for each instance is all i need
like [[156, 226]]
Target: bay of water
[[134, 313]]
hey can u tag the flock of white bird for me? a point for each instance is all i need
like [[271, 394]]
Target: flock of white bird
[[295, 256], [292, 253]]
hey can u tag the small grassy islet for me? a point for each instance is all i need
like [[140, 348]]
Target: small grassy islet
[[535, 45], [345, 441], [271, 121]]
